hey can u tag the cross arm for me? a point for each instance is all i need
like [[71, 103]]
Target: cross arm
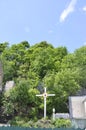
[[50, 94], [39, 95]]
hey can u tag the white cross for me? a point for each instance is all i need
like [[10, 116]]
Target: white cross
[[45, 96]]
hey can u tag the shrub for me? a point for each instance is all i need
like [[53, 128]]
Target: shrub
[[42, 123], [65, 123]]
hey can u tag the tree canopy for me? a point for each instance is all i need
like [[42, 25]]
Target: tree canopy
[[34, 67]]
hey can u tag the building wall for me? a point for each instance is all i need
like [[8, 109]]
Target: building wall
[[77, 107]]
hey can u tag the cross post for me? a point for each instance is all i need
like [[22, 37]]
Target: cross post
[[45, 95]]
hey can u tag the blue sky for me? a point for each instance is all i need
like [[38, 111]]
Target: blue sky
[[59, 22]]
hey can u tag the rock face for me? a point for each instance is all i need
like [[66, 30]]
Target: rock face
[[1, 76], [9, 85]]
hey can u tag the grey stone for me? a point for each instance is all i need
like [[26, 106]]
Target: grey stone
[[62, 115], [9, 85], [77, 110]]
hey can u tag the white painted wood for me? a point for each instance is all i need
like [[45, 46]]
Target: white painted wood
[[45, 95]]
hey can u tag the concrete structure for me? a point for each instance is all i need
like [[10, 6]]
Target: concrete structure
[[60, 115], [77, 108]]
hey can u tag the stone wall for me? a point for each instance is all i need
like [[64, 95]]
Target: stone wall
[[62, 115], [79, 123]]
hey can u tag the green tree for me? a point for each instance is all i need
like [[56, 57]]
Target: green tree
[[20, 100], [42, 59], [3, 46], [14, 60], [59, 54], [80, 62], [38, 66], [63, 84]]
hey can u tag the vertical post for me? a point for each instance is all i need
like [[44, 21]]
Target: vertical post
[[45, 95], [53, 113], [44, 102], [44, 90], [44, 107]]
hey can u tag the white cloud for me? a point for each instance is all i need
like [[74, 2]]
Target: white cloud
[[27, 29], [84, 8], [85, 43], [68, 10], [50, 31]]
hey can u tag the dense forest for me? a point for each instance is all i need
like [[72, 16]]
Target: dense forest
[[34, 67]]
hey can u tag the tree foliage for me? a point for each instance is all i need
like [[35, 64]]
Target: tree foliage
[[38, 66]]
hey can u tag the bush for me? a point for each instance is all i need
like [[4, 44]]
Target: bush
[[65, 123], [42, 123], [18, 121]]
